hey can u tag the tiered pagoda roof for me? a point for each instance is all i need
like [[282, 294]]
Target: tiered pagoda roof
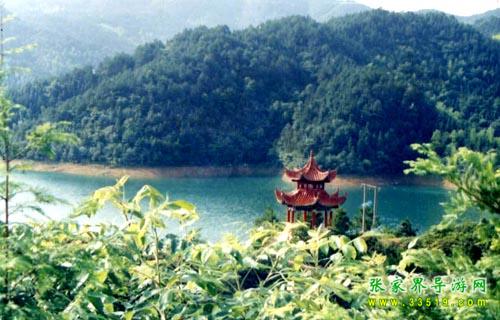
[[310, 192], [311, 172], [310, 198]]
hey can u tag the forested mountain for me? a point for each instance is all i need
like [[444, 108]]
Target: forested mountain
[[488, 22], [60, 45], [489, 27], [357, 89], [76, 33], [420, 76], [482, 16], [82, 32]]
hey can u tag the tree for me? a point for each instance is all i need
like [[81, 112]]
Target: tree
[[14, 147], [341, 222], [405, 229], [268, 216], [475, 175], [358, 220]]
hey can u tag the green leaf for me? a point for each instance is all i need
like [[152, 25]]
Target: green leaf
[[181, 204], [101, 276], [349, 251], [412, 243], [360, 245]]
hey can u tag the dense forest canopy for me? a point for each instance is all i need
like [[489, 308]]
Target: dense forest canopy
[[358, 89]]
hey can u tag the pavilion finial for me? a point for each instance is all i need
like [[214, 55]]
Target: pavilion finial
[[311, 154]]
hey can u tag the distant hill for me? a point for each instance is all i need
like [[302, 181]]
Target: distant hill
[[489, 26], [476, 17], [81, 32], [75, 33], [488, 23], [60, 46], [357, 89]]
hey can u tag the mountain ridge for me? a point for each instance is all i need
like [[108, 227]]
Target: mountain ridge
[[79, 33], [93, 30]]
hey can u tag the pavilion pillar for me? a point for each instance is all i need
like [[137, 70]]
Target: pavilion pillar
[[293, 214], [326, 222], [331, 217], [287, 214], [305, 216]]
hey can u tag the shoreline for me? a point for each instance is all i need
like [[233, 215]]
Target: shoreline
[[99, 170], [95, 170]]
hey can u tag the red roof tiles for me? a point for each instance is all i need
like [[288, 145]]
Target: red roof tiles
[[310, 198], [311, 191], [311, 172]]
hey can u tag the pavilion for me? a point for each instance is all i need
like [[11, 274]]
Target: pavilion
[[310, 196]]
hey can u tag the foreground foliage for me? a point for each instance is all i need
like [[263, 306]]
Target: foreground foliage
[[475, 175], [63, 270], [13, 146]]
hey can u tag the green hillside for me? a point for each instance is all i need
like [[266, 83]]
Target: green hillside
[[357, 89]]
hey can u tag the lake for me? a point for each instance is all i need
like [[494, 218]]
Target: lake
[[231, 204]]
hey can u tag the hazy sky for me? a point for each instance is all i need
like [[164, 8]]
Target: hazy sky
[[458, 7]]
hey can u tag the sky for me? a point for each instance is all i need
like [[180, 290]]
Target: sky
[[457, 7]]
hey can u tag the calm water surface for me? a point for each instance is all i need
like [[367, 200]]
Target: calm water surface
[[231, 204]]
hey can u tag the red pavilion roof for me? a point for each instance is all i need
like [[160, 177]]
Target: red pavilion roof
[[310, 198], [311, 172]]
